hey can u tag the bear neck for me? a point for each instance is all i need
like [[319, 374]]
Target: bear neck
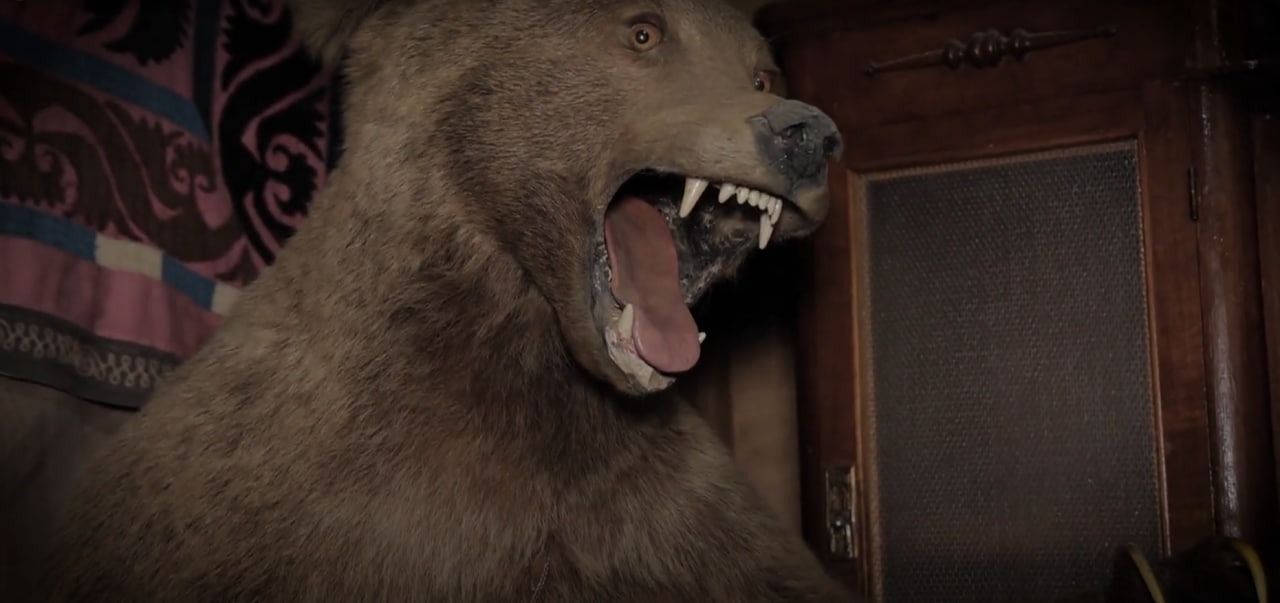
[[390, 297]]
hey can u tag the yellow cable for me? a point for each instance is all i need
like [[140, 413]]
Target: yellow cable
[[1254, 563], [1144, 570]]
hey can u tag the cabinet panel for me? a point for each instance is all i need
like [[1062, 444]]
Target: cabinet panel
[[1001, 55], [1008, 387]]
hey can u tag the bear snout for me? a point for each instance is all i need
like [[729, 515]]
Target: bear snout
[[797, 139]]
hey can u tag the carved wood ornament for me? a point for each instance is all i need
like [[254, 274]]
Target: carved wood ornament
[[988, 48]]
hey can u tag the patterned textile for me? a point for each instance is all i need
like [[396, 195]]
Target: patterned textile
[[154, 157]]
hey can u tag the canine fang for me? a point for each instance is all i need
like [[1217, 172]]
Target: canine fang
[[693, 188]]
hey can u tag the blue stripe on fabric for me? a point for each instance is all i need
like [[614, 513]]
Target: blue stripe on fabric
[[28, 223], [96, 72], [195, 286]]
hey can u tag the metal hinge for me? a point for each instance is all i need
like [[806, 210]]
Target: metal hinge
[[842, 498], [1193, 193]]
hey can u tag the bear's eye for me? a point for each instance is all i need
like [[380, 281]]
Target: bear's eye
[[763, 81], [645, 36]]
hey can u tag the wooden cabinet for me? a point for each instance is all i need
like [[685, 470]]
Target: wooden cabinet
[[1033, 327]]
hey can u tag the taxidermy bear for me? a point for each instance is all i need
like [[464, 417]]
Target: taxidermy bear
[[454, 384]]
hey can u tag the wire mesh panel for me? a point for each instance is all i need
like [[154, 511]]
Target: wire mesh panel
[[1011, 417]]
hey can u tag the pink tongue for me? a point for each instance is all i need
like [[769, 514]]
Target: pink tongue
[[645, 269]]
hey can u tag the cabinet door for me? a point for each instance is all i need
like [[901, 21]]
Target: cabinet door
[[1002, 349]]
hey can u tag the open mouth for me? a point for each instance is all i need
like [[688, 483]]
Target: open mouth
[[666, 239]]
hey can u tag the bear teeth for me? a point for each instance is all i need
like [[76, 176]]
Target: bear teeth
[[768, 204], [693, 189]]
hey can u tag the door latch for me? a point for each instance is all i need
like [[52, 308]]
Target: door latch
[[842, 496]]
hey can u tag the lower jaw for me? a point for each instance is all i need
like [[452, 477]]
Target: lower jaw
[[619, 340], [642, 376]]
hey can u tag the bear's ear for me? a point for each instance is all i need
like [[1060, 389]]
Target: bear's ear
[[327, 25]]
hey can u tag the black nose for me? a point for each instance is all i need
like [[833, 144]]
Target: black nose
[[798, 139]]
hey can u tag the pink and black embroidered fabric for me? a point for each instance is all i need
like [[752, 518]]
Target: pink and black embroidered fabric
[[154, 157]]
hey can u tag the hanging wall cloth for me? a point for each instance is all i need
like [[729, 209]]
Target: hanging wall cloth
[[154, 156]]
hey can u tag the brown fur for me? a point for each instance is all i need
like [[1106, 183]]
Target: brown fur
[[414, 403]]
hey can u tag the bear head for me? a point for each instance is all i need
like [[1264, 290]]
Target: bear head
[[626, 154]]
